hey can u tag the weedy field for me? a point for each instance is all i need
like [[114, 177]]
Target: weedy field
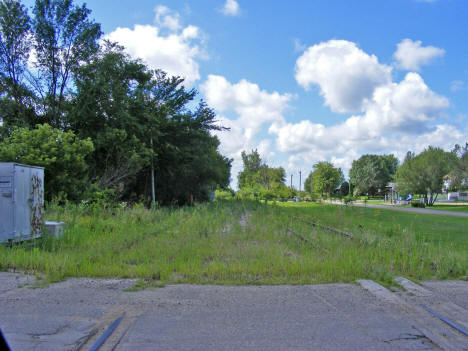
[[246, 242]]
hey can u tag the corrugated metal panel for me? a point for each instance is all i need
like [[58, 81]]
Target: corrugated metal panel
[[21, 201]]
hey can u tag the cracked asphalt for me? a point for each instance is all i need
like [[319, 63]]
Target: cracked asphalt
[[72, 314]]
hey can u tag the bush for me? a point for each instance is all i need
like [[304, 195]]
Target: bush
[[224, 194], [62, 154], [416, 203]]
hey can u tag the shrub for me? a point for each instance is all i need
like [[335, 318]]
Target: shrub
[[416, 203], [62, 154], [224, 194]]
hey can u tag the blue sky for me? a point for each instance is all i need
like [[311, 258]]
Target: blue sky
[[305, 81]]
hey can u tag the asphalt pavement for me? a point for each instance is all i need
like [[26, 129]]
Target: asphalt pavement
[[73, 314]]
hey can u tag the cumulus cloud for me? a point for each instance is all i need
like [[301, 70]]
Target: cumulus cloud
[[166, 18], [253, 108], [176, 52], [231, 8], [346, 75], [403, 108], [394, 116], [411, 55]]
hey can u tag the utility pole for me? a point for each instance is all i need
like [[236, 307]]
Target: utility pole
[[300, 180], [291, 181], [153, 191]]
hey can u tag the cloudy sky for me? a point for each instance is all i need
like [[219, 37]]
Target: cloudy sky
[[312, 80]]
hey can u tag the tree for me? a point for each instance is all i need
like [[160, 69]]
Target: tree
[[135, 115], [325, 178], [371, 173], [252, 163], [64, 39], [424, 174], [62, 155], [258, 180], [15, 43], [458, 176], [110, 109]]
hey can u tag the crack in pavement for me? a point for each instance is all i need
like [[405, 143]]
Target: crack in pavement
[[59, 330], [408, 337]]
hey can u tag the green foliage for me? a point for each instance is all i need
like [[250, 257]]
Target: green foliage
[[15, 43], [259, 181], [370, 174], [424, 173], [61, 153], [324, 179], [252, 163], [64, 37], [458, 176], [109, 108], [224, 194]]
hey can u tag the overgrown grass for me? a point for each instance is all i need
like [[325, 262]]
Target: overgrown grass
[[235, 242]]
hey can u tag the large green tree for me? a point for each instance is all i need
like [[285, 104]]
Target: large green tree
[[458, 175], [252, 163], [16, 101], [424, 173], [64, 39], [324, 179], [109, 107], [371, 173], [258, 180], [140, 121], [62, 155]]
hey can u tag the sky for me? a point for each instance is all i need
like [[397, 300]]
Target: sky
[[314, 80]]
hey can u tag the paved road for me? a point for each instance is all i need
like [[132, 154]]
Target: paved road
[[407, 209], [71, 315]]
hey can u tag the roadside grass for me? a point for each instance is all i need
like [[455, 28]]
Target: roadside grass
[[451, 206], [245, 242]]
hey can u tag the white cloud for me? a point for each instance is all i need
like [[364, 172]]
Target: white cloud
[[411, 55], [346, 75], [166, 18], [176, 53], [231, 8], [253, 108], [403, 108], [396, 116]]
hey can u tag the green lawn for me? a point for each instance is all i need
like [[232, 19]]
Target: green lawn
[[235, 242], [458, 207]]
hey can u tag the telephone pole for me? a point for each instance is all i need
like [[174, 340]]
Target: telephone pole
[[300, 180], [291, 181], [153, 192]]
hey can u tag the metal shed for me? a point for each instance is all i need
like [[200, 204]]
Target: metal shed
[[21, 201]]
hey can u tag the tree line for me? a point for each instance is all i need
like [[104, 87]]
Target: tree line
[[424, 174], [95, 118]]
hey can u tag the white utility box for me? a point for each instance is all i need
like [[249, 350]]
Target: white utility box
[[21, 202]]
